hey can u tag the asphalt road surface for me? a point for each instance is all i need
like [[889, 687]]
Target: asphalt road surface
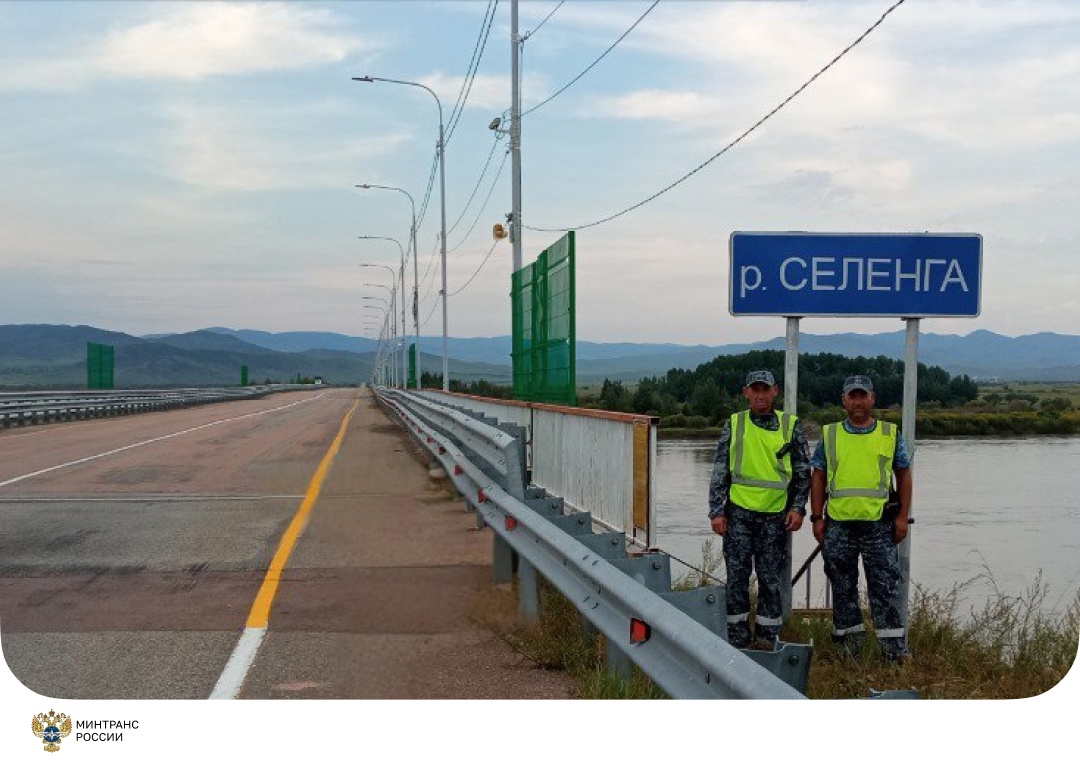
[[133, 550]]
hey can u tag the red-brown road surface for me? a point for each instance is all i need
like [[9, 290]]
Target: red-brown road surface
[[132, 574]]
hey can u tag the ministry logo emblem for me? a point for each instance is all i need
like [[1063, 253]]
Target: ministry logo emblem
[[50, 728]]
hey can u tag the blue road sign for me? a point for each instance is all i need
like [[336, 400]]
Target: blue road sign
[[906, 275]]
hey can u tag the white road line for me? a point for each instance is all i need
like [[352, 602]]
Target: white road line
[[236, 669], [113, 452], [145, 498]]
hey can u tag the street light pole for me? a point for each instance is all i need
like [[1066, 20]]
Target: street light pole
[[416, 275], [516, 228], [393, 280], [392, 333], [442, 204]]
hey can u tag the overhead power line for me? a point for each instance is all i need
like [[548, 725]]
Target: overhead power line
[[483, 206], [534, 31], [594, 63], [427, 193], [476, 188], [474, 65], [737, 140], [477, 272]]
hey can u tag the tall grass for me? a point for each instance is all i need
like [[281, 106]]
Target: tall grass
[[1009, 648]]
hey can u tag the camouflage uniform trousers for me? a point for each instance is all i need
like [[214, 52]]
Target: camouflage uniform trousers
[[755, 541], [844, 543]]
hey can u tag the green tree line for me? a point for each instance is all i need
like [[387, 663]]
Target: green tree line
[[713, 391]]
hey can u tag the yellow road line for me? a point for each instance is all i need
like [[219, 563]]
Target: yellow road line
[[260, 610]]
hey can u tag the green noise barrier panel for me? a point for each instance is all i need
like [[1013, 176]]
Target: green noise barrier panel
[[544, 347]]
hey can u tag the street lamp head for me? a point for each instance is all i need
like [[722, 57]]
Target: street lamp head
[[364, 185], [496, 123], [363, 79]]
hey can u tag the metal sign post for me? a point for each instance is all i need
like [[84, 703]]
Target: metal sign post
[[791, 404], [902, 275], [907, 426]]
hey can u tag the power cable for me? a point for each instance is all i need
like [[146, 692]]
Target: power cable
[[433, 308], [477, 272], [427, 193], [534, 31], [594, 63], [480, 214], [474, 65], [477, 186], [735, 142]]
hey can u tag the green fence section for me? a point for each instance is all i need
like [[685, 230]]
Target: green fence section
[[243, 376], [412, 366], [544, 347], [100, 366]]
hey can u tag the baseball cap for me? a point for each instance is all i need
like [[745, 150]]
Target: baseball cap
[[858, 382], [760, 377]]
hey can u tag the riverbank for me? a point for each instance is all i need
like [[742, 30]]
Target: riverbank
[[929, 425], [1008, 650]]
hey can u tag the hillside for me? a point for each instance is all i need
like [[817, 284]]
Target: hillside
[[48, 356], [55, 356]]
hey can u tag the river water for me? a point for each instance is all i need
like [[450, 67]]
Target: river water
[[990, 513]]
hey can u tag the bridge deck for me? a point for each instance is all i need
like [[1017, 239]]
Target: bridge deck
[[132, 574]]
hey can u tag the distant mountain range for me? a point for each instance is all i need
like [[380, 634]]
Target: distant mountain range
[[982, 354], [54, 356]]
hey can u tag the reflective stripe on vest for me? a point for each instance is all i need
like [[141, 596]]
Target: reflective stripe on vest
[[861, 491], [759, 480]]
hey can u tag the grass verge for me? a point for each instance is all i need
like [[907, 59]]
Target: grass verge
[[1008, 649]]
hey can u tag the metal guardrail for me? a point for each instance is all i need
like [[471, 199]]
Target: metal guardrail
[[602, 461], [675, 637], [26, 408]]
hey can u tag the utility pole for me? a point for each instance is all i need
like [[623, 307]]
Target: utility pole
[[515, 134]]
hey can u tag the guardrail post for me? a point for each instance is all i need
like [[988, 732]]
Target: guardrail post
[[618, 663], [528, 591], [502, 559]]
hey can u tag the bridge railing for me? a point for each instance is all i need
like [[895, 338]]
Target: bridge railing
[[21, 408], [598, 461], [675, 637]]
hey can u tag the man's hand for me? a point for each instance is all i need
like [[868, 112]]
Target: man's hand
[[719, 525], [793, 521], [819, 531], [900, 529]]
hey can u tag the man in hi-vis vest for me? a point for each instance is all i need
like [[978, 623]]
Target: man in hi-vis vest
[[853, 466], [760, 481]]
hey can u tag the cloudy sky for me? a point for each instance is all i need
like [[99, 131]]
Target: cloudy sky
[[167, 167]]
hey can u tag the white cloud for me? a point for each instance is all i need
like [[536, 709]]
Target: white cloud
[[221, 148], [491, 92], [196, 41], [673, 106], [206, 39]]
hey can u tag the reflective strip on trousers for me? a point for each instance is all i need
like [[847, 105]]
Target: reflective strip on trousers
[[891, 633], [778, 621], [860, 628], [732, 619]]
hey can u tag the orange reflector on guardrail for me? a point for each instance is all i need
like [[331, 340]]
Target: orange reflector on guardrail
[[511, 523], [458, 469], [639, 631], [481, 497]]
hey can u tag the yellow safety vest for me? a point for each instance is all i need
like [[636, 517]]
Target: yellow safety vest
[[759, 480], [858, 470]]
